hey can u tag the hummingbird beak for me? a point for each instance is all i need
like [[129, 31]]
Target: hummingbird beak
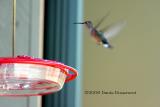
[[78, 23]]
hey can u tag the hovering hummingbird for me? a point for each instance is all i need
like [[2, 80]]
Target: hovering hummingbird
[[100, 36]]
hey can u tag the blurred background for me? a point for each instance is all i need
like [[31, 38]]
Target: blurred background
[[133, 64], [45, 29]]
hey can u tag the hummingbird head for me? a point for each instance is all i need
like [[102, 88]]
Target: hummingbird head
[[87, 23]]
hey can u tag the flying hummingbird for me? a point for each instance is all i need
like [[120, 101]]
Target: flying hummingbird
[[100, 36]]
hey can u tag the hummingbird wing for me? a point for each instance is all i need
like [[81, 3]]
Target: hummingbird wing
[[101, 20], [114, 29]]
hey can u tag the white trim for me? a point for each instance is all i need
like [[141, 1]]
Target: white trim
[[41, 28], [37, 101], [78, 101]]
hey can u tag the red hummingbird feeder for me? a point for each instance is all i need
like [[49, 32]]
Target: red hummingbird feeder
[[28, 76]]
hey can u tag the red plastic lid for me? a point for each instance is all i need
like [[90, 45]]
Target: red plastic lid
[[69, 71]]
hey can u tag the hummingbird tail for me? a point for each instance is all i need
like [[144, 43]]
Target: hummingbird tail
[[108, 46]]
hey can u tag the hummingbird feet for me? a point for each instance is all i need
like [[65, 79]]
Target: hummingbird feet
[[99, 43]]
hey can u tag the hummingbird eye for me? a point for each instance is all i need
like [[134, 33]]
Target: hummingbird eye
[[87, 22]]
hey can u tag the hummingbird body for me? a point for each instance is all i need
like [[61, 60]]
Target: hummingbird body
[[95, 35], [98, 36], [102, 37]]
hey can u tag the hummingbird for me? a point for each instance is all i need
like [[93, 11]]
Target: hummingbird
[[102, 36]]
